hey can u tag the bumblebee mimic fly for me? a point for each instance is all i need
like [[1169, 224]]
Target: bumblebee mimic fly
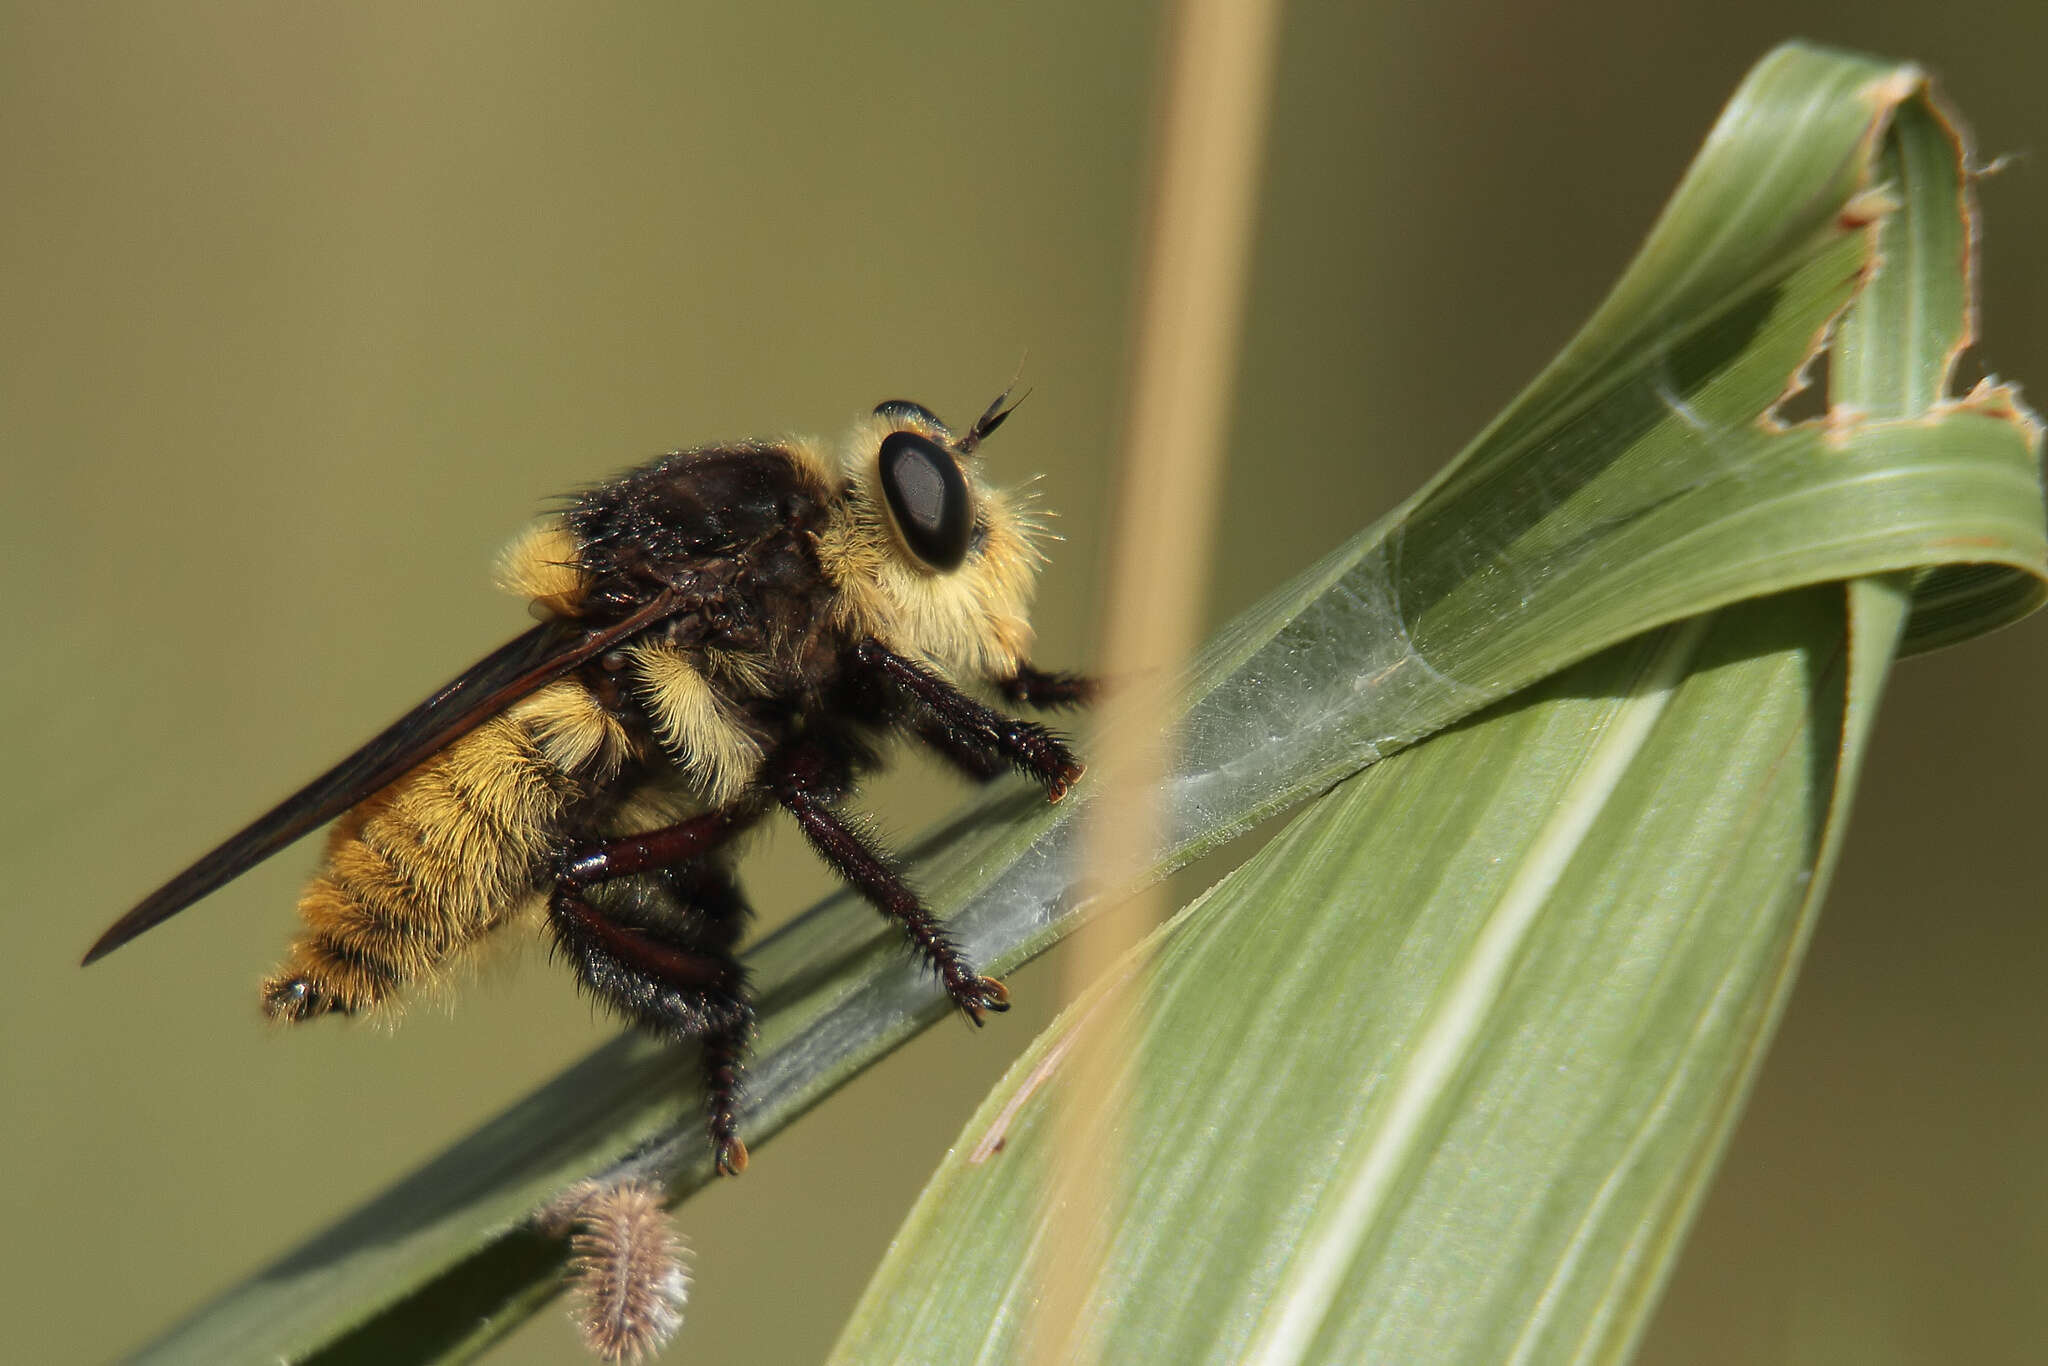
[[724, 631]]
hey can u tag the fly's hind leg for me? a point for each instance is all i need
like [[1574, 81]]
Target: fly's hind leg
[[659, 951]]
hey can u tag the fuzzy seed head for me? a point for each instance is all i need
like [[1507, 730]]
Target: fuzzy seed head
[[626, 1272]]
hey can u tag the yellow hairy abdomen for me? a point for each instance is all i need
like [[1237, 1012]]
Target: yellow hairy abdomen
[[424, 869]]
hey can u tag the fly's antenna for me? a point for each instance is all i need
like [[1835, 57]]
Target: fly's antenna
[[995, 414]]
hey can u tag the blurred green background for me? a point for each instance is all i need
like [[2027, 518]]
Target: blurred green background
[[305, 309]]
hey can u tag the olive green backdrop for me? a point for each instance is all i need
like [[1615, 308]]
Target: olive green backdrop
[[305, 308]]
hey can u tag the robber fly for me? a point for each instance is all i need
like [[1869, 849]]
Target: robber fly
[[724, 631]]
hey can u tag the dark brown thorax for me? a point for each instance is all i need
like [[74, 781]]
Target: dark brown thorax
[[730, 530]]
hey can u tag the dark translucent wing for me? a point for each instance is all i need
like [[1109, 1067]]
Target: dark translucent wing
[[485, 688]]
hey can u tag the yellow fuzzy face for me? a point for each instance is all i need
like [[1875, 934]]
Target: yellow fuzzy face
[[931, 568]]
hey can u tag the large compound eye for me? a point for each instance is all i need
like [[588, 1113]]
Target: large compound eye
[[903, 410], [928, 499]]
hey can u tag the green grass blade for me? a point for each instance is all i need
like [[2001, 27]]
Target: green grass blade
[[1637, 483], [1461, 1111]]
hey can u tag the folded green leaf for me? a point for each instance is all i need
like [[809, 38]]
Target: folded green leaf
[[1435, 1077]]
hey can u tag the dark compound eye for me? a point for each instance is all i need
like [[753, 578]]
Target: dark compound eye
[[902, 409], [928, 499]]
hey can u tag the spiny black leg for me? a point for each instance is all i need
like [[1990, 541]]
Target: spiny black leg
[[602, 860], [969, 724], [805, 776], [708, 894], [674, 981], [1031, 687], [725, 1055], [715, 914], [974, 761]]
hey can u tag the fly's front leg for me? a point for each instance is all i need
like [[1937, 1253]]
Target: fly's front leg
[[972, 760], [969, 725], [1031, 687]]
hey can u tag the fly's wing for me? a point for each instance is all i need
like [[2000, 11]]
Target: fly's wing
[[481, 691]]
